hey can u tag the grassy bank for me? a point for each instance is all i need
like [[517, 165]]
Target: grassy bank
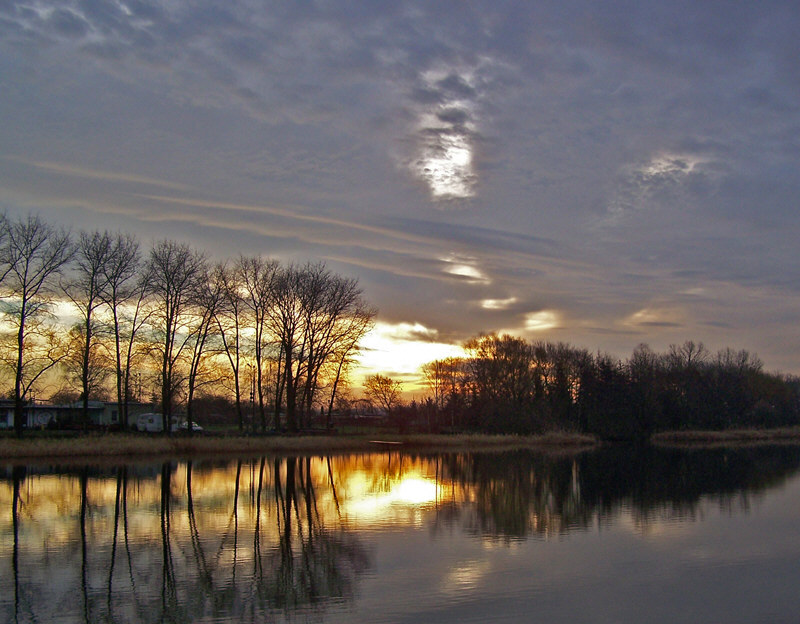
[[784, 435], [127, 446]]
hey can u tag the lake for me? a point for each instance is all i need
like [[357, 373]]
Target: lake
[[619, 534]]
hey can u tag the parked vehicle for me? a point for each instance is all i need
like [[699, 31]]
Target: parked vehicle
[[184, 426], [153, 423]]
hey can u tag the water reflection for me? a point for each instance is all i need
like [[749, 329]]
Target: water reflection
[[281, 536], [519, 494]]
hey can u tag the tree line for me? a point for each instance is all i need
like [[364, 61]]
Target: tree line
[[507, 384], [286, 334]]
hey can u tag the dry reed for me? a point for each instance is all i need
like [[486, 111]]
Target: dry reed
[[120, 445]]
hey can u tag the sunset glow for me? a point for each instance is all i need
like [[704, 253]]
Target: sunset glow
[[401, 349]]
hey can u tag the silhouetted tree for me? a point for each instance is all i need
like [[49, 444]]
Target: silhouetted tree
[[230, 319], [32, 255], [173, 273], [85, 287], [259, 278], [123, 289], [384, 391], [207, 300]]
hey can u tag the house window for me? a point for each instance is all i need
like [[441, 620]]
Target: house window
[[114, 416]]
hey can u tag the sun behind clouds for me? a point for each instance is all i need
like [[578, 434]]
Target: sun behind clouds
[[399, 350]]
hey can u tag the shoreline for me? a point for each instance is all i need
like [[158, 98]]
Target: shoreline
[[729, 437], [131, 446], [108, 447]]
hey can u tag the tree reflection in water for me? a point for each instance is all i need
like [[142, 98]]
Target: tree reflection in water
[[517, 494], [265, 539], [190, 566], [18, 475]]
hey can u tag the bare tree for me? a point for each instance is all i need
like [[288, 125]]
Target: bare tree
[[201, 331], [5, 267], [346, 345], [259, 278], [317, 318], [173, 273], [286, 318], [335, 319], [435, 378], [33, 253], [88, 374], [229, 319], [384, 391], [123, 290], [689, 355], [85, 288]]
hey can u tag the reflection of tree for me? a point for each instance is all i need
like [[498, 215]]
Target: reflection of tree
[[520, 493], [310, 563], [256, 540], [170, 605], [18, 475], [180, 546], [117, 510], [84, 507], [654, 480]]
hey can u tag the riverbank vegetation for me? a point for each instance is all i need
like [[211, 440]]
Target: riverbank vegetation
[[508, 384], [121, 445]]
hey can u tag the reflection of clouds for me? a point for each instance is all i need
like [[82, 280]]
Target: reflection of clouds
[[409, 492], [464, 577]]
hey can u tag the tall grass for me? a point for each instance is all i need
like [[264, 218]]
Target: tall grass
[[783, 435], [121, 445]]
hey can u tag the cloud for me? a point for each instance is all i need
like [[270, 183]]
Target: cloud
[[402, 348], [405, 331], [483, 161], [541, 320], [110, 176], [465, 267], [498, 304], [665, 180], [445, 104], [655, 317]]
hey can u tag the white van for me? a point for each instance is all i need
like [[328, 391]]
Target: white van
[[153, 423]]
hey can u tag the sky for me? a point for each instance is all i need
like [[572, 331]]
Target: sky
[[603, 174]]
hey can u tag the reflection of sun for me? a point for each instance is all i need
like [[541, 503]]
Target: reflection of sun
[[415, 491], [411, 491]]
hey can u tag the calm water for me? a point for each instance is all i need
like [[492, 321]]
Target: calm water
[[618, 535]]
